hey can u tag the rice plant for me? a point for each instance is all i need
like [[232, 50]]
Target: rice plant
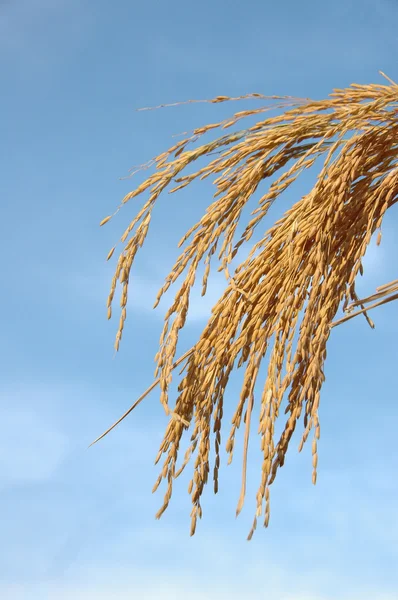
[[284, 297]]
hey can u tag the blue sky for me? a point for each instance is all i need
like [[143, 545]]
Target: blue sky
[[79, 523]]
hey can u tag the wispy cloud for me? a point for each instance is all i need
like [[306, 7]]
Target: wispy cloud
[[145, 283], [32, 443], [95, 535]]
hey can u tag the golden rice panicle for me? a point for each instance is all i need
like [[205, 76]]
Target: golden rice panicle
[[284, 299]]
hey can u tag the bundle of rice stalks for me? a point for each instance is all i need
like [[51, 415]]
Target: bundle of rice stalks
[[285, 298]]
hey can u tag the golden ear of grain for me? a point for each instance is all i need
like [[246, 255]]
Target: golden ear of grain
[[105, 220], [282, 300], [110, 253]]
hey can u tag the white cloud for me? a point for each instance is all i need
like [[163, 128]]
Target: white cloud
[[31, 445], [145, 283], [107, 545], [253, 580], [374, 259]]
